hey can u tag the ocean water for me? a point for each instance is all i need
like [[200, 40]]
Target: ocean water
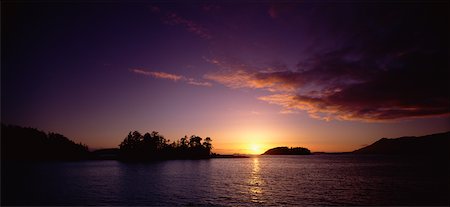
[[257, 181]]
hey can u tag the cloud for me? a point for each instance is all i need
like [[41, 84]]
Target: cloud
[[172, 77], [360, 63], [192, 81], [161, 75], [172, 18], [189, 25], [287, 111], [241, 78], [374, 79], [367, 64]]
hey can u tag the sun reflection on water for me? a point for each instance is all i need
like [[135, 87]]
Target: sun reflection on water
[[255, 182]]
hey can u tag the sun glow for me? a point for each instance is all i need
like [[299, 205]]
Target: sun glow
[[255, 149]]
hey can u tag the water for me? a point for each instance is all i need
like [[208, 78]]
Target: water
[[258, 181]]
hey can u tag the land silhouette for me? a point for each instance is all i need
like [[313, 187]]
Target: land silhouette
[[106, 154], [153, 146], [288, 151], [24, 143], [434, 144]]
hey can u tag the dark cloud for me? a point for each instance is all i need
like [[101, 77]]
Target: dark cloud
[[390, 62]]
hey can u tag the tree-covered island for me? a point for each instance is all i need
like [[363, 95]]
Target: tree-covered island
[[287, 151], [153, 146]]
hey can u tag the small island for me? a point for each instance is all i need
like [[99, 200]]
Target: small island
[[287, 151]]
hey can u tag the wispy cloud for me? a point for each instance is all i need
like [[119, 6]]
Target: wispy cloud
[[172, 18], [170, 76], [189, 25], [198, 83], [161, 75], [275, 81]]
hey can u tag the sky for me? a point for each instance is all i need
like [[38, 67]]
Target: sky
[[331, 77]]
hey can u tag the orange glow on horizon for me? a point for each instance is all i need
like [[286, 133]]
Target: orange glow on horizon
[[255, 149]]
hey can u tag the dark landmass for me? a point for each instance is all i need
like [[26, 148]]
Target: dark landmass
[[330, 153], [153, 146], [113, 154], [29, 144], [435, 144], [106, 154], [287, 151], [23, 143], [228, 156]]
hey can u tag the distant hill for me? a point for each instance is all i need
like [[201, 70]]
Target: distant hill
[[23, 143], [287, 151], [435, 144]]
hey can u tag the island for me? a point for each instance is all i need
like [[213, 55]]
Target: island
[[287, 151]]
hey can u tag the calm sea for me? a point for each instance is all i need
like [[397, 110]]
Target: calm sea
[[257, 181]]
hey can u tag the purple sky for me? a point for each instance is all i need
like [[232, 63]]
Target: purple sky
[[327, 76]]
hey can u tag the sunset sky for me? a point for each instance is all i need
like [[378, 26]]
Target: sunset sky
[[328, 76]]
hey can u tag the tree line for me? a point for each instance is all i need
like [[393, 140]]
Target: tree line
[[23, 143], [288, 151], [153, 146]]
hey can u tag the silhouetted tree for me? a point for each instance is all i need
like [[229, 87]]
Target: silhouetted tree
[[153, 146], [184, 142], [195, 141], [207, 144]]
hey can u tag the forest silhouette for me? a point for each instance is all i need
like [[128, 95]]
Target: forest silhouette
[[153, 146], [30, 144], [288, 151], [24, 143]]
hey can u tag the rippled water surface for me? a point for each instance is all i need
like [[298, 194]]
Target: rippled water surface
[[258, 181]]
